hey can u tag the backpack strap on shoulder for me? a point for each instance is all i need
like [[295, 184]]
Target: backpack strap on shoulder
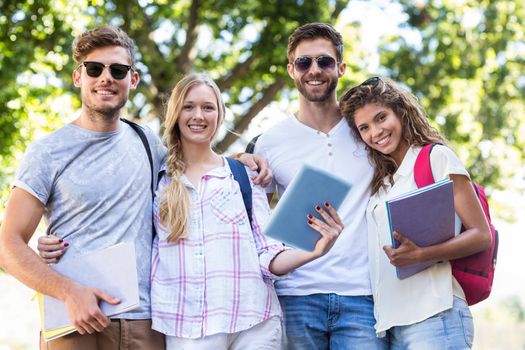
[[241, 176], [250, 148], [422, 168], [138, 129], [144, 139]]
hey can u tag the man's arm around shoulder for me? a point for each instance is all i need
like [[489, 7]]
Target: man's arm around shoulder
[[21, 218]]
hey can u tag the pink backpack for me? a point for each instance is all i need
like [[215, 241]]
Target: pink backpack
[[474, 273]]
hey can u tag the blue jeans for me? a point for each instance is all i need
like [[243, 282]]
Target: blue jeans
[[330, 321], [452, 329]]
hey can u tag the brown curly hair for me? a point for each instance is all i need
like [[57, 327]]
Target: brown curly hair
[[416, 131]]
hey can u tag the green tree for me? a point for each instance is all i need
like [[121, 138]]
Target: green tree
[[465, 65], [241, 44], [467, 70], [33, 47]]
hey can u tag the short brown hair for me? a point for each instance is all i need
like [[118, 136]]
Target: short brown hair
[[100, 37], [311, 31]]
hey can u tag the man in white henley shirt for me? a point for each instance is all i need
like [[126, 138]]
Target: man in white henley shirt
[[327, 303]]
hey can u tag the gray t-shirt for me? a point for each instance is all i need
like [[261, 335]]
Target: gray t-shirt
[[95, 187]]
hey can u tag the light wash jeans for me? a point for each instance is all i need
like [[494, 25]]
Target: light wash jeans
[[452, 329], [330, 321]]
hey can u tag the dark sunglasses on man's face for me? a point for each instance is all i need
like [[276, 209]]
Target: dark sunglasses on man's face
[[94, 69], [303, 63]]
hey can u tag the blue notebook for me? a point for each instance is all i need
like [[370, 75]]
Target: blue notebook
[[310, 187], [425, 216]]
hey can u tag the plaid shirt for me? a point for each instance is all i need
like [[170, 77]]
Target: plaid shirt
[[217, 279]]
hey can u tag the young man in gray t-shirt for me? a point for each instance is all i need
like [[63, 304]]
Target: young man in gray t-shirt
[[90, 181]]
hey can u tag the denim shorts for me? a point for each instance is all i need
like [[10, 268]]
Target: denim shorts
[[330, 321], [452, 329]]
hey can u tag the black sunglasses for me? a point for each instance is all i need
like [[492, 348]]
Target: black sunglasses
[[303, 63], [370, 81], [94, 69]]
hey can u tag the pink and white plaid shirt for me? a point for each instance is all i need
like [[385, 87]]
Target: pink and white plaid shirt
[[216, 280]]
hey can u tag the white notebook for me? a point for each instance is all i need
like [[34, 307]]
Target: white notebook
[[113, 270]]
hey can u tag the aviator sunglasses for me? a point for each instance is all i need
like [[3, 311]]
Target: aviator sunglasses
[[303, 63], [94, 69]]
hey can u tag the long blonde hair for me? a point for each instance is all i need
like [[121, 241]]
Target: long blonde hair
[[416, 129], [175, 202]]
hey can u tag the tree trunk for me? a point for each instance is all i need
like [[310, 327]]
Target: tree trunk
[[244, 121]]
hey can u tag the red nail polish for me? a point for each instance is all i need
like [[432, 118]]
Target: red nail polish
[[66, 244], [318, 207], [326, 204], [310, 222], [60, 240], [310, 216]]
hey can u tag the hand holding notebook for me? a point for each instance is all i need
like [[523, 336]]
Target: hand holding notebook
[[424, 216], [310, 188], [112, 270]]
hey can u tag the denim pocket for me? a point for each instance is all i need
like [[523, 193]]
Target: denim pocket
[[468, 325]]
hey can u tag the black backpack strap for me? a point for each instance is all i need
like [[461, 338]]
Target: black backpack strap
[[240, 175], [144, 139], [250, 148]]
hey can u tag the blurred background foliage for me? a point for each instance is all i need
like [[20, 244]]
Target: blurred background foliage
[[468, 70], [463, 59]]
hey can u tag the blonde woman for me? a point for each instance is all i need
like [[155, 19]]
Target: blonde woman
[[212, 274]]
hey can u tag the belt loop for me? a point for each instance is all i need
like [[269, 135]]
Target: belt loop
[[124, 334]]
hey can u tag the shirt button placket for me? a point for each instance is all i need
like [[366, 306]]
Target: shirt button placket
[[329, 147]]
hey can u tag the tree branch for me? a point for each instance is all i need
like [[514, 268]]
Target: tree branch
[[188, 53], [244, 121], [242, 68], [141, 36], [237, 72], [340, 5]]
